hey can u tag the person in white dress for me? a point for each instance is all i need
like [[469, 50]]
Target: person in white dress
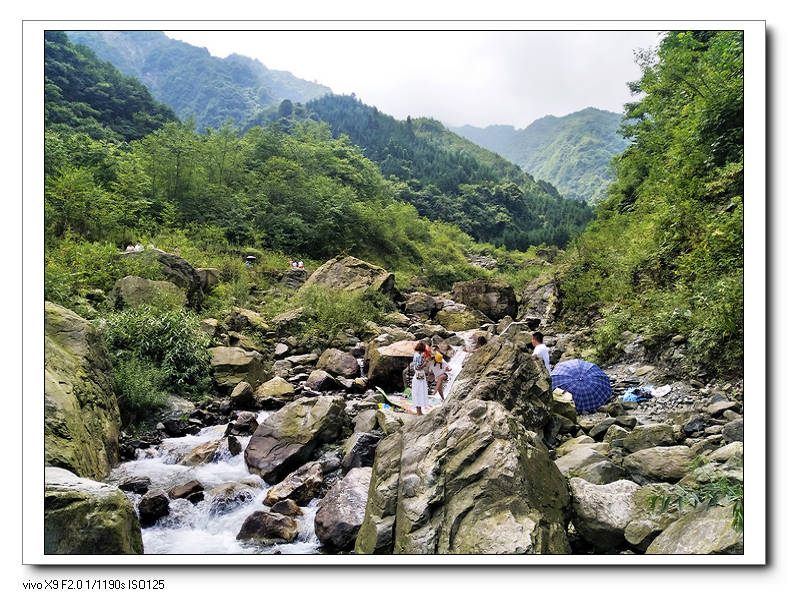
[[418, 386]]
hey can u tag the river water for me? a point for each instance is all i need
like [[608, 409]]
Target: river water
[[210, 526]]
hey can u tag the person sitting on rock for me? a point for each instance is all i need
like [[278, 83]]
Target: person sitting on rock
[[300, 264], [440, 370], [130, 247], [138, 248], [540, 349]]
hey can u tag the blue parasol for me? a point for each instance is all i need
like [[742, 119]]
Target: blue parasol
[[589, 385]]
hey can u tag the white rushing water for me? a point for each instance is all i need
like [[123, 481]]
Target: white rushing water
[[208, 527]]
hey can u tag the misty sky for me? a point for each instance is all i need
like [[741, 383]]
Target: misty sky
[[477, 78]]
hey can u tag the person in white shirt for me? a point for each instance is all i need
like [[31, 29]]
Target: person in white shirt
[[540, 349]]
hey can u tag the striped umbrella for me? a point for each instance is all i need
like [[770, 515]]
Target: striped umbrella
[[589, 385]]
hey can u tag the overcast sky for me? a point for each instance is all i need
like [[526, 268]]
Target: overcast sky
[[477, 78]]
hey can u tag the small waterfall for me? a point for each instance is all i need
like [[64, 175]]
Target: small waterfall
[[210, 526]]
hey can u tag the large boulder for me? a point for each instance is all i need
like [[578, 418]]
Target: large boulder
[[655, 509], [153, 505], [386, 362], [706, 531], [601, 513], [86, 517], [587, 463], [352, 275], [209, 278], [268, 528], [540, 301], [201, 454], [180, 272], [457, 317], [300, 486], [320, 381], [493, 297], [231, 365], [341, 512], [473, 475], [659, 463], [131, 291], [240, 319], [81, 417], [421, 304], [287, 438], [338, 363], [360, 449], [294, 278], [649, 435], [276, 387]]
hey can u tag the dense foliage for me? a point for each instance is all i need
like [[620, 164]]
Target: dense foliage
[[84, 94], [191, 81], [446, 177], [666, 254], [572, 152]]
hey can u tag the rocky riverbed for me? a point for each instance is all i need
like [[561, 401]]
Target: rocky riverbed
[[296, 454]]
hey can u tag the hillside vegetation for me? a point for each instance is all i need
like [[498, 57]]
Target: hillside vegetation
[[665, 256], [84, 94], [445, 176], [572, 152], [194, 83]]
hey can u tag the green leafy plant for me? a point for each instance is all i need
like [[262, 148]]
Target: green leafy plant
[[171, 339]]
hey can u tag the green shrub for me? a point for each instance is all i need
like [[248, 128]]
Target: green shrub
[[140, 387], [170, 339], [327, 313]]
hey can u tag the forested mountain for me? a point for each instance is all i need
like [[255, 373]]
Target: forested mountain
[[572, 152], [665, 256], [87, 95], [193, 82], [444, 176]]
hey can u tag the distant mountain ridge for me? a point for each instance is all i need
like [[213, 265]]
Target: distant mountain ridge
[[572, 152], [192, 81]]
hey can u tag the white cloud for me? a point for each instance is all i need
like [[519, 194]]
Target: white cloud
[[477, 78]]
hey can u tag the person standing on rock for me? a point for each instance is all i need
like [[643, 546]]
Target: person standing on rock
[[540, 349], [418, 386]]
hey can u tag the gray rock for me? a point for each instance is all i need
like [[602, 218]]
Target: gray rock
[[288, 508], [131, 291], [600, 428], [86, 517], [244, 424], [341, 512], [493, 297], [320, 381], [659, 463], [81, 416], [703, 532], [649, 435], [338, 363], [137, 485], [268, 528], [192, 491], [231, 365], [242, 395], [301, 485], [472, 476], [601, 513], [153, 506], [360, 450], [352, 275], [287, 438], [734, 431]]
